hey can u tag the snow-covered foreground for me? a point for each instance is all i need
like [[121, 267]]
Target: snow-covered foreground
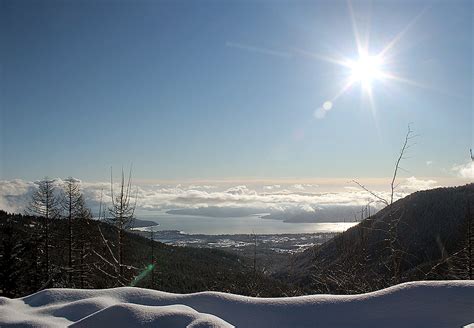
[[418, 304]]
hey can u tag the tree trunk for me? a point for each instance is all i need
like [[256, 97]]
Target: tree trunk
[[121, 251]]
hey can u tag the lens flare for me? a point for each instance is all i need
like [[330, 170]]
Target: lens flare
[[143, 274]]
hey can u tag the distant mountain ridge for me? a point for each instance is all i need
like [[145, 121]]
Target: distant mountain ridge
[[326, 213], [139, 223], [216, 212]]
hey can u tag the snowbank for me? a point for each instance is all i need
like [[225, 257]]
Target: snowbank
[[418, 304]]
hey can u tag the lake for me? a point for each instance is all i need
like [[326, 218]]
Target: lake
[[191, 224]]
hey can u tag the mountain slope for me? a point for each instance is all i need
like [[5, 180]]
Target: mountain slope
[[419, 237]]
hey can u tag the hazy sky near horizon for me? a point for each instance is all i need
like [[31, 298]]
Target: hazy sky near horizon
[[228, 89]]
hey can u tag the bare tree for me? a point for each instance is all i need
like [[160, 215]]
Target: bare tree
[[393, 223], [76, 213], [122, 211], [393, 184], [470, 234], [395, 249], [44, 204], [470, 241], [108, 264]]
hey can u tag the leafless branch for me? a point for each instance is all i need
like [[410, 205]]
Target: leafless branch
[[383, 200]]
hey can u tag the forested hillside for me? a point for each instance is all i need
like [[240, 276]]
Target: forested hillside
[[152, 265], [426, 235]]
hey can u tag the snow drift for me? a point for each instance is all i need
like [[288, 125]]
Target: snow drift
[[416, 304]]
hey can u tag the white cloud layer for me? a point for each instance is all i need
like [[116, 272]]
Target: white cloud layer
[[465, 171], [15, 195], [414, 184]]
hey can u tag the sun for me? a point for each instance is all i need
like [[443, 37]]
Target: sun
[[366, 69]]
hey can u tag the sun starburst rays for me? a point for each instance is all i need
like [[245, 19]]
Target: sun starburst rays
[[368, 68]]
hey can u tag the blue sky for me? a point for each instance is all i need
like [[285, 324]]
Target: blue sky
[[215, 90]]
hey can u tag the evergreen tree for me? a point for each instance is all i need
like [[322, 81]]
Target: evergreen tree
[[10, 247]]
